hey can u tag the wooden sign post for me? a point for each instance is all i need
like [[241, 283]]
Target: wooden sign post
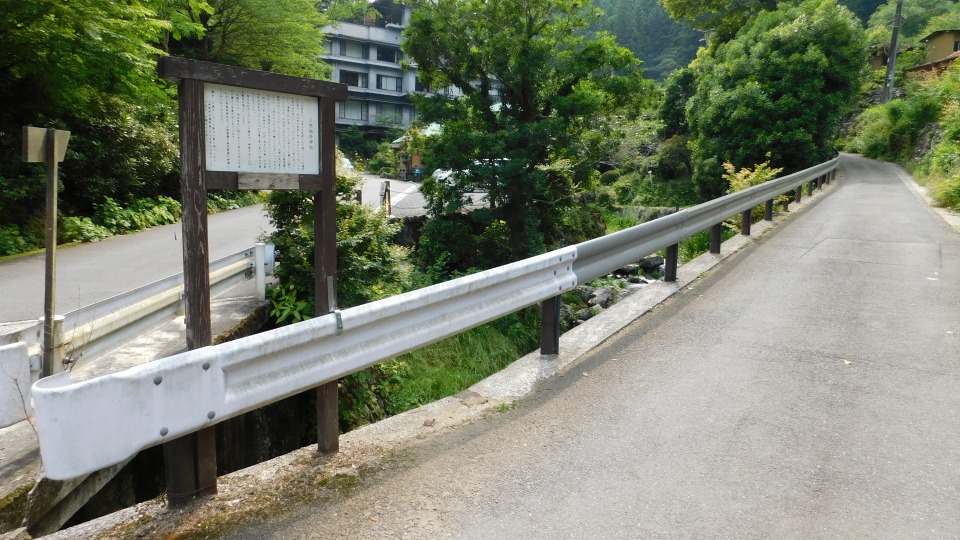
[[248, 129], [48, 146]]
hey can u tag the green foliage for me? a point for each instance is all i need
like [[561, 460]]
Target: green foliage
[[367, 263], [921, 131], [354, 144], [915, 16], [80, 229], [384, 161], [288, 307], [745, 178], [13, 240], [679, 87], [721, 18], [270, 35], [698, 244], [644, 27], [140, 214], [553, 84], [781, 86]]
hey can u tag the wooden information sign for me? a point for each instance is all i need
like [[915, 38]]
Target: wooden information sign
[[247, 129]]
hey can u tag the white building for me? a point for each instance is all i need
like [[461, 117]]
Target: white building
[[366, 56]]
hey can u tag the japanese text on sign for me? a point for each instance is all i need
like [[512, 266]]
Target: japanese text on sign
[[259, 131]]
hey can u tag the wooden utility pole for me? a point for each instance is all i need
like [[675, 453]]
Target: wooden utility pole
[[890, 80]]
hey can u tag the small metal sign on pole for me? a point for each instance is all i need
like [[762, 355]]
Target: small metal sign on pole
[[247, 129], [42, 145]]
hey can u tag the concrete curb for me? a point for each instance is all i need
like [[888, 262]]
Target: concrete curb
[[366, 445]]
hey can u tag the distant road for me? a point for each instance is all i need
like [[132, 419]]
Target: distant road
[[88, 273]]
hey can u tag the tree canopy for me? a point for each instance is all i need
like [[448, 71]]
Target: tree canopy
[[89, 66], [778, 88], [532, 81]]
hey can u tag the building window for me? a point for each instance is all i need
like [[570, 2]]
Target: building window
[[352, 78], [353, 110], [956, 46], [353, 49], [389, 114], [420, 87], [393, 84], [388, 54]]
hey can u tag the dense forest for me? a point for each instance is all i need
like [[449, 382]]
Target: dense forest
[[664, 45]]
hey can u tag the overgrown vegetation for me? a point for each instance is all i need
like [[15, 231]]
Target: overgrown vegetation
[[921, 131]]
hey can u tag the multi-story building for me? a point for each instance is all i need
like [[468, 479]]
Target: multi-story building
[[366, 56]]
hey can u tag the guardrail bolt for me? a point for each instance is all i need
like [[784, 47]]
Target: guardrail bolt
[[157, 380], [211, 414], [206, 366], [164, 431]]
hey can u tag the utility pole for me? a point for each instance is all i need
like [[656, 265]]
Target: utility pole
[[892, 62]]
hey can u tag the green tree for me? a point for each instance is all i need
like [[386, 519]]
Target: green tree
[[721, 19], [531, 82], [644, 27], [271, 35], [915, 16], [780, 87]]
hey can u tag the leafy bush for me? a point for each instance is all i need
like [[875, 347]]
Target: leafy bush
[[13, 240], [609, 177], [80, 229], [140, 214]]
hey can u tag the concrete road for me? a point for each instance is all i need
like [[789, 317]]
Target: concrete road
[[88, 273], [808, 388]]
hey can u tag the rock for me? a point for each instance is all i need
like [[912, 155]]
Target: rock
[[651, 263], [584, 314], [627, 270], [636, 280], [586, 292], [603, 297]]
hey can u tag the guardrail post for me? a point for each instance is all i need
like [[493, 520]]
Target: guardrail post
[[820, 180], [798, 193], [550, 326], [768, 210], [670, 263], [746, 219], [260, 263], [715, 238]]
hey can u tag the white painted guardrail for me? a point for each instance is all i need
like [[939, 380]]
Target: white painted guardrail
[[88, 425], [85, 426], [90, 332]]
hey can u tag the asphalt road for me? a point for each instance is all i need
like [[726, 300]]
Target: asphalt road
[[807, 388], [88, 273]]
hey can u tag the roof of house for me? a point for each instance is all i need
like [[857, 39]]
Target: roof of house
[[938, 32]]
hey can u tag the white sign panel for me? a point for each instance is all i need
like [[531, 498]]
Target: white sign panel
[[257, 131]]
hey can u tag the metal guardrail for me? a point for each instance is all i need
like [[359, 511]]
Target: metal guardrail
[[89, 425], [90, 332]]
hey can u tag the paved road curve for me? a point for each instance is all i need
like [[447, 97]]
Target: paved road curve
[[89, 273], [808, 388]]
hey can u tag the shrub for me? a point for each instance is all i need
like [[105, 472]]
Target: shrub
[[80, 229]]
